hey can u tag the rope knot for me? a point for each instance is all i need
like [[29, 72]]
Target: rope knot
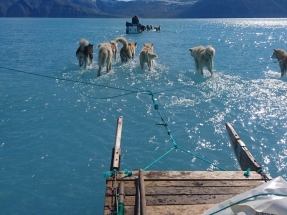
[[155, 104], [247, 173], [129, 173]]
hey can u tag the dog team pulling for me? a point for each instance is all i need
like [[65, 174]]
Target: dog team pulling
[[107, 52]]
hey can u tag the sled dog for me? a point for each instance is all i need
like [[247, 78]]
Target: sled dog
[[149, 27], [281, 56], [157, 28], [128, 50], [84, 53], [107, 52], [203, 57], [147, 55]]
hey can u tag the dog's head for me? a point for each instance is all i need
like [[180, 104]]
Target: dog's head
[[192, 52], [148, 46], [274, 54], [279, 54], [132, 45]]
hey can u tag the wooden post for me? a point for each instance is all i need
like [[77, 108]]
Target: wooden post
[[142, 193], [138, 201], [121, 192], [121, 208], [116, 156]]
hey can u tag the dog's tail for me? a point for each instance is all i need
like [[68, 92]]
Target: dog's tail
[[123, 41], [209, 54], [83, 43], [151, 56]]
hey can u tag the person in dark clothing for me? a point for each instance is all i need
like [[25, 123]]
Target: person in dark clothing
[[135, 20]]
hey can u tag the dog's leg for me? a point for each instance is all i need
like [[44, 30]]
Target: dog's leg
[[99, 71], [109, 64], [86, 62], [282, 67], [196, 64], [141, 61], [150, 64], [109, 67], [210, 66], [142, 65], [283, 71], [124, 58], [200, 69]]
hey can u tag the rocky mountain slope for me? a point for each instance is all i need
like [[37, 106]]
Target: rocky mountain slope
[[145, 8]]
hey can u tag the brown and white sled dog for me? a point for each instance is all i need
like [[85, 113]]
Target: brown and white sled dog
[[128, 50], [147, 55], [84, 53], [203, 57], [107, 52], [281, 56]]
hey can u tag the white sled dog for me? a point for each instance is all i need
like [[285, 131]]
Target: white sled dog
[[128, 50], [107, 52], [84, 53], [203, 57], [281, 56], [147, 55]]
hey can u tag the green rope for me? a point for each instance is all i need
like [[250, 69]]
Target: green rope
[[254, 196], [68, 80], [247, 173], [121, 208], [201, 158], [159, 158]]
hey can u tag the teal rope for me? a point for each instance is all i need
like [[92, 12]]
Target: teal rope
[[68, 80], [159, 158], [86, 83], [262, 194], [201, 158], [114, 172]]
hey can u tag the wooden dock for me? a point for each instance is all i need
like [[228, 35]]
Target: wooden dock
[[173, 192]]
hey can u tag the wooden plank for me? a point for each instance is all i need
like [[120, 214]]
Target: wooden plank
[[176, 199], [138, 200], [244, 157], [149, 191], [116, 156], [169, 209], [178, 209], [195, 183], [187, 175], [142, 193]]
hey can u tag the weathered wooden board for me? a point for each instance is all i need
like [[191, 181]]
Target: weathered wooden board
[[190, 175], [244, 157], [174, 199], [169, 209], [151, 191], [193, 183]]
